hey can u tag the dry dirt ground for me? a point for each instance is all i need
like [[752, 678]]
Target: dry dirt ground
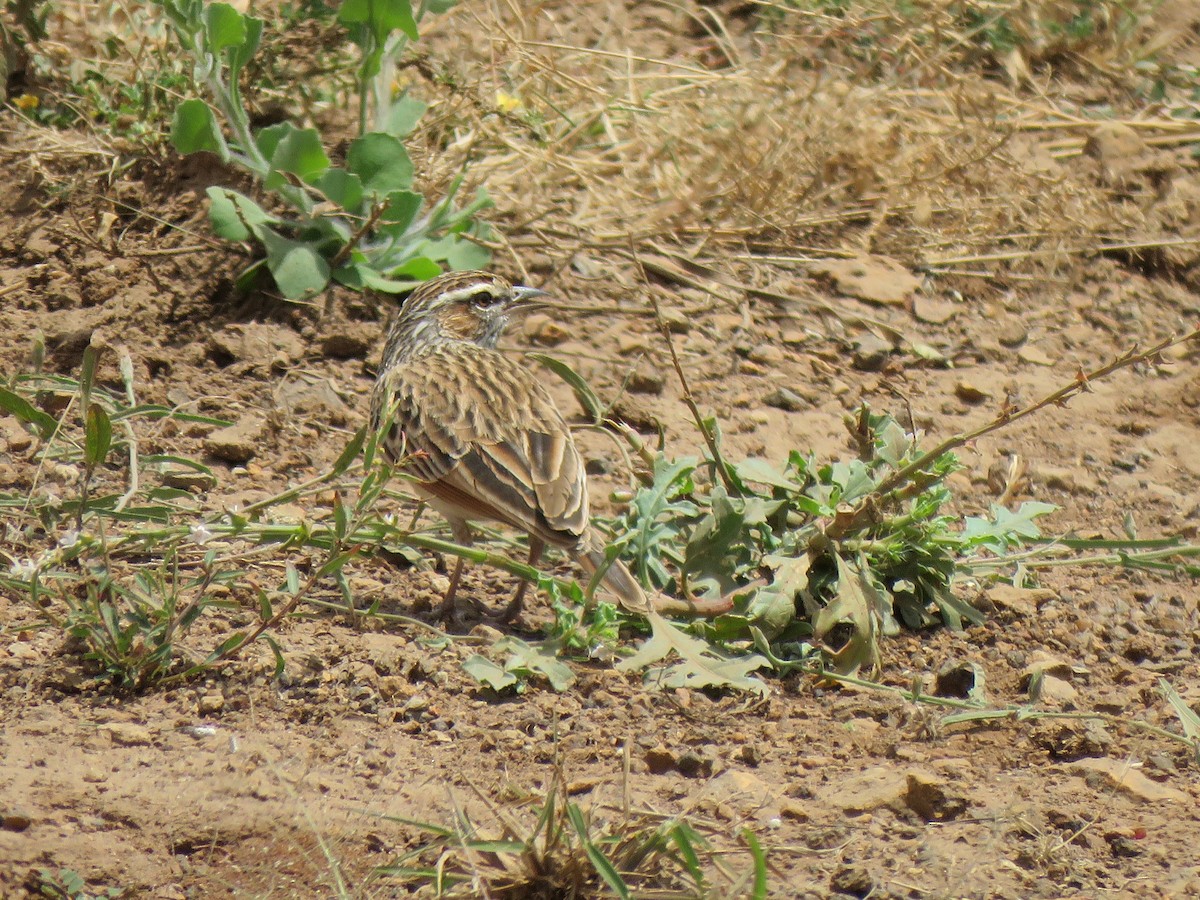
[[241, 784]]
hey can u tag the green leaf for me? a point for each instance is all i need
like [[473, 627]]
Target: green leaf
[[465, 256], [540, 658], [299, 271], [194, 128], [240, 54], [700, 665], [402, 208], [404, 115], [1188, 720], [98, 437], [583, 391], [1006, 528], [759, 890], [296, 151], [381, 16], [601, 863], [18, 406], [280, 665], [233, 215], [224, 27], [342, 188], [381, 162], [488, 673], [350, 454], [852, 606]]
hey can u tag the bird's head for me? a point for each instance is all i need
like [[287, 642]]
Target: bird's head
[[470, 307]]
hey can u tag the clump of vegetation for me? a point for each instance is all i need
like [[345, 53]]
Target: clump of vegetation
[[360, 223]]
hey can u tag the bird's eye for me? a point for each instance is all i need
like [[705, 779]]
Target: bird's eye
[[484, 300]]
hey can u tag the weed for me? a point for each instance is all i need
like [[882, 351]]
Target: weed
[[361, 224], [67, 884]]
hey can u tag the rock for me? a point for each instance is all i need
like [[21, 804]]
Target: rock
[[1053, 691], [868, 790], [258, 344], [766, 355], [1033, 354], [127, 734], [929, 796], [853, 880], [932, 311], [629, 343], [210, 703], [785, 399], [15, 436], [1024, 601], [794, 338], [677, 321], [694, 764], [1012, 333], [660, 760], [968, 392], [871, 353], [1122, 775], [348, 340], [745, 793], [645, 380], [876, 279], [235, 443], [310, 396], [544, 330], [1064, 478]]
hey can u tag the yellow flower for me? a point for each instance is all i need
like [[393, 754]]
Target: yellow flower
[[507, 103], [26, 102]]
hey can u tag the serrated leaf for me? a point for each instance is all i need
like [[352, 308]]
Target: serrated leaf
[[540, 658], [699, 665], [299, 271], [850, 606], [194, 128], [382, 163], [1005, 527], [488, 673]]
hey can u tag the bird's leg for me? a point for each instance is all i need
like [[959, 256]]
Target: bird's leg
[[510, 612], [446, 610], [462, 535]]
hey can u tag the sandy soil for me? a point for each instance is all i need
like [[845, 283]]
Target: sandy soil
[[241, 784]]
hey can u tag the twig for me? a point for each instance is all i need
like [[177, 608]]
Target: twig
[[688, 399], [854, 519]]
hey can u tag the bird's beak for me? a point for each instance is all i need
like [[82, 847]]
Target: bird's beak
[[527, 297]]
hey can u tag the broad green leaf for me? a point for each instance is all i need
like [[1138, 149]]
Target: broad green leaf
[[194, 128], [761, 471], [381, 16], [224, 27], [299, 271], [488, 673], [465, 255], [28, 413], [296, 151], [402, 208], [381, 162], [342, 188], [98, 436], [233, 215], [404, 115]]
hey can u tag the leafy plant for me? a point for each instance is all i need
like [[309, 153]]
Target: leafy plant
[[360, 223]]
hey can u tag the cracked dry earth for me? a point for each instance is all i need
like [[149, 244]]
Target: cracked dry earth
[[242, 784]]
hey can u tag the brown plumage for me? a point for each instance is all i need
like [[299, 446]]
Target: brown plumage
[[483, 438]]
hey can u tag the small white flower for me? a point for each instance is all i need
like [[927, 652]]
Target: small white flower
[[201, 535], [69, 539], [24, 569]]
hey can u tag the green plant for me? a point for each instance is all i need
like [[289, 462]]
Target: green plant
[[555, 847], [67, 884], [360, 224]]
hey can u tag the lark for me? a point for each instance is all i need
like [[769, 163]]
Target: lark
[[480, 435]]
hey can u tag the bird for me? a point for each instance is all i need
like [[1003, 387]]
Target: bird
[[479, 433]]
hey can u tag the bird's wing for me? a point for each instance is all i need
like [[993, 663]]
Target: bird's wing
[[483, 435]]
